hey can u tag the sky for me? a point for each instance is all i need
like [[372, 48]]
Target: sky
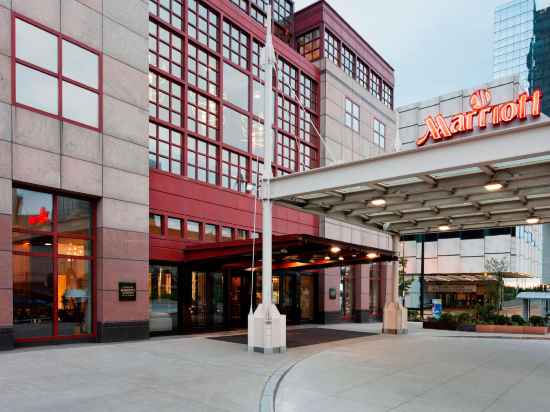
[[435, 46]]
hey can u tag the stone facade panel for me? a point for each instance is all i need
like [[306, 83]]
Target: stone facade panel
[[124, 83], [81, 23], [81, 143], [122, 185], [124, 155], [125, 121], [125, 45], [36, 166], [81, 176], [43, 11], [36, 130]]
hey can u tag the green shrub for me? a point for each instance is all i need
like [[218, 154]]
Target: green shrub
[[536, 321], [518, 320], [464, 318], [414, 315], [502, 320], [485, 313]]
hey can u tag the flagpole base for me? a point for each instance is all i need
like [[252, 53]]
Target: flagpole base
[[267, 330]]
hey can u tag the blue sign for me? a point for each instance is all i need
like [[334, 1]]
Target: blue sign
[[437, 308]]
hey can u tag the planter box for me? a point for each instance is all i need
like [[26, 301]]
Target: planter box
[[528, 330], [438, 325]]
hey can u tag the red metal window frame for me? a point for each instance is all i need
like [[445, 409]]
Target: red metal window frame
[[166, 147], [174, 14], [308, 157], [348, 61], [205, 160], [387, 95], [199, 16], [166, 49], [203, 69], [206, 227], [235, 44], [153, 226], [187, 231], [307, 92], [257, 14], [332, 48], [202, 115], [165, 99], [231, 234], [173, 233], [362, 74], [59, 75], [374, 84], [286, 152], [309, 44], [257, 70], [282, 10], [287, 78], [55, 256], [241, 4], [286, 115], [234, 168]]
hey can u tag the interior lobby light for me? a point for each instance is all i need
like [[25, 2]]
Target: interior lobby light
[[327, 257], [444, 228], [335, 249], [493, 186], [341, 258], [372, 255], [533, 220], [378, 202]]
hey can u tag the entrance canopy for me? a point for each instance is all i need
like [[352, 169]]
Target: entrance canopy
[[497, 178], [293, 252]]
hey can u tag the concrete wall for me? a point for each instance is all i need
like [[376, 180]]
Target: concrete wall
[[111, 166], [347, 145]]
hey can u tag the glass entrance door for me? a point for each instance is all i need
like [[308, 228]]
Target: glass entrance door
[[163, 290], [307, 298], [346, 293], [207, 299]]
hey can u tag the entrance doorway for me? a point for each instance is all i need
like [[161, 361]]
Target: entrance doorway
[[346, 293]]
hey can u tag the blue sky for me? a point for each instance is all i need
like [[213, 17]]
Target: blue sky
[[435, 46]]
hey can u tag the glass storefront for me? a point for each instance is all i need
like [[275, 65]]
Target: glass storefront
[[52, 265], [162, 284]]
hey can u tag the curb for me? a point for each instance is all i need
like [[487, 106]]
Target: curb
[[269, 392]]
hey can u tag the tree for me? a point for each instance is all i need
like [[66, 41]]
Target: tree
[[404, 284], [497, 267]]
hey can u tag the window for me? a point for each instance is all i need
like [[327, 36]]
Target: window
[[362, 74], [235, 87], [52, 243], [168, 10], [257, 138], [202, 115], [286, 76], [286, 115], [257, 173], [257, 69], [307, 131], [235, 45], [282, 10], [211, 233], [331, 47], [387, 95], [201, 161], [193, 231], [155, 224], [71, 91], [309, 45], [165, 99], [240, 4], [227, 234], [242, 234], [258, 100], [202, 70], [257, 15], [307, 157], [308, 91], [375, 84], [165, 50], [234, 171], [286, 151], [379, 133], [174, 227], [165, 149], [352, 115], [235, 129], [202, 24], [348, 61]]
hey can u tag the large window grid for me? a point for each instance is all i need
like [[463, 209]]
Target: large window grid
[[201, 161], [387, 95], [307, 131], [379, 133], [348, 61], [257, 172], [375, 85], [235, 45], [308, 91], [165, 50], [56, 75], [165, 99], [202, 115], [234, 171], [202, 24], [282, 10], [286, 115], [308, 157], [332, 47], [287, 76], [202, 70], [169, 11], [165, 149], [286, 152], [257, 15], [241, 4], [257, 69], [352, 115], [309, 45]]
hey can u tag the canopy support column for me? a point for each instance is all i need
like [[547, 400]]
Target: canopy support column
[[395, 314]]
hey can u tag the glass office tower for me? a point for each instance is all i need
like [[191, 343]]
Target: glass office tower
[[539, 57], [513, 33]]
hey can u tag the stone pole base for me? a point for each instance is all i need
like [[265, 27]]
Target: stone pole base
[[266, 330], [395, 319]]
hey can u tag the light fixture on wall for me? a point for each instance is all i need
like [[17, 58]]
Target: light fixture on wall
[[533, 220], [444, 228], [335, 249], [372, 255], [378, 202], [493, 186]]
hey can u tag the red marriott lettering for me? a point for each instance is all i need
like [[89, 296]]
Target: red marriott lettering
[[40, 219], [438, 128]]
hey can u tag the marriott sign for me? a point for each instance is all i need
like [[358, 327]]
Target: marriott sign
[[439, 129]]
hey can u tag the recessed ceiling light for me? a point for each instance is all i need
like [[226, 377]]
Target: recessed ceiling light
[[327, 257], [493, 186], [341, 258], [354, 256], [47, 244], [378, 202], [335, 249], [532, 220], [372, 255], [444, 228]]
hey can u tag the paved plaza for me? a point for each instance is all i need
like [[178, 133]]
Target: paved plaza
[[423, 371]]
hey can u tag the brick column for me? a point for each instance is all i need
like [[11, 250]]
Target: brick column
[[329, 310]]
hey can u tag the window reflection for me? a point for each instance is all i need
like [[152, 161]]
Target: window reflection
[[235, 86], [36, 45], [163, 298], [36, 89], [32, 210], [74, 216], [81, 65], [235, 129], [32, 243]]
